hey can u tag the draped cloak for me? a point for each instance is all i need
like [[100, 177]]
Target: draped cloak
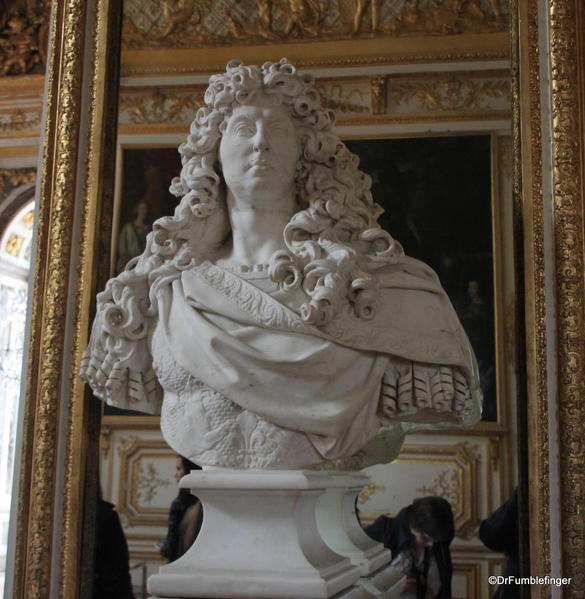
[[330, 383]]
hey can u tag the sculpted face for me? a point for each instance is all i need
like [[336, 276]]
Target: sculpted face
[[259, 151]]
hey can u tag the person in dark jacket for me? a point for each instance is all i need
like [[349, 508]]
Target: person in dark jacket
[[419, 538], [112, 562], [185, 516], [499, 532]]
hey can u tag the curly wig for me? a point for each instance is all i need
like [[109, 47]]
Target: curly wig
[[332, 244]]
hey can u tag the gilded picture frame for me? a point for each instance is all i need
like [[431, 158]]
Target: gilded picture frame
[[57, 442]]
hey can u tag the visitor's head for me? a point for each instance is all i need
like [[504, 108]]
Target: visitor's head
[[183, 466], [430, 520]]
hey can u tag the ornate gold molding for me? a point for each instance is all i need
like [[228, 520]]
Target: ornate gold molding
[[19, 120], [343, 96], [19, 151], [207, 23], [130, 422], [14, 177], [23, 37], [316, 54], [138, 485], [162, 106], [368, 491], [379, 91], [529, 207], [567, 48], [49, 297], [81, 465], [54, 417], [450, 94]]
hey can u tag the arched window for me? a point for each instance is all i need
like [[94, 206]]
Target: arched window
[[15, 258]]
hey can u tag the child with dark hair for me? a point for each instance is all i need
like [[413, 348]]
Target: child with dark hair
[[419, 538], [185, 516]]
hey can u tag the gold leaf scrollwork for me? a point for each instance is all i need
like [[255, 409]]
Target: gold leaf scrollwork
[[160, 107], [449, 94], [379, 91], [446, 484], [146, 482], [566, 41], [368, 491], [360, 11], [14, 177], [23, 37], [342, 100], [13, 244], [198, 23], [19, 120], [28, 219]]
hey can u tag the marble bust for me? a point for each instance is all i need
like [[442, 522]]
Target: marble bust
[[271, 321]]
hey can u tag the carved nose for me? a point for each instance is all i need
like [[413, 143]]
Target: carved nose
[[260, 145], [260, 140]]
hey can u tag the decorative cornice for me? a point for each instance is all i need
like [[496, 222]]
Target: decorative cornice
[[23, 37], [14, 177], [450, 94], [19, 120], [191, 24], [322, 54], [162, 106]]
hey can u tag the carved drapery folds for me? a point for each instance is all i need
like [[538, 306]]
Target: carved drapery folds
[[23, 37], [197, 23]]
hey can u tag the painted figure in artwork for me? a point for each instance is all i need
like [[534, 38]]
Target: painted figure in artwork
[[132, 238], [270, 320]]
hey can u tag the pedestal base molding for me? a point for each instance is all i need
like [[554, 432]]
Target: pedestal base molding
[[285, 534]]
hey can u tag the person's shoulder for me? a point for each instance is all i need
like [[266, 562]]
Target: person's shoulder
[[379, 527]]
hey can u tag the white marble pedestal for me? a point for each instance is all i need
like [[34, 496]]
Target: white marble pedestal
[[268, 534]]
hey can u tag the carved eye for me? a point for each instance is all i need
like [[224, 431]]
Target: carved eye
[[243, 130]]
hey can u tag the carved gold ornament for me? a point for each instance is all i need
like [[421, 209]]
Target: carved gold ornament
[[20, 120], [14, 177], [446, 485], [368, 491], [199, 23], [449, 94], [530, 208], [379, 90], [344, 99], [147, 481], [23, 37], [13, 244], [161, 106], [566, 41], [28, 219]]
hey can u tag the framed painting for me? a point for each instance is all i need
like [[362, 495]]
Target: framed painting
[[143, 195], [437, 198]]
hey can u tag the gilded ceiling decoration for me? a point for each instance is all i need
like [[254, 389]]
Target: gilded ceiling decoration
[[23, 36], [451, 93], [197, 23], [14, 177], [18, 120], [162, 106]]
